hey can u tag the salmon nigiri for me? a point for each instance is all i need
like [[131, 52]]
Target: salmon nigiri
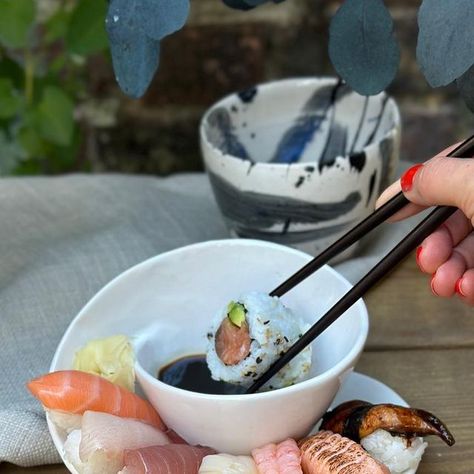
[[284, 458], [73, 391], [169, 459]]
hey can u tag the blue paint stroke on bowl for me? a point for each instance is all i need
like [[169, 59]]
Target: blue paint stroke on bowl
[[221, 133], [251, 209], [296, 138]]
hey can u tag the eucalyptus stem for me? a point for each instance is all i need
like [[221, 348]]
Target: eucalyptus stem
[[29, 75]]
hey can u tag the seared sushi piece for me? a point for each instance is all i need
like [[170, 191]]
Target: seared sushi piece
[[390, 433], [330, 453], [248, 335]]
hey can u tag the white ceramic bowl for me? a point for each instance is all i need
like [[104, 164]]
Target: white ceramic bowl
[[299, 161], [165, 305]]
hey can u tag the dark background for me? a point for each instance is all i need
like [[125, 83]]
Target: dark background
[[223, 50]]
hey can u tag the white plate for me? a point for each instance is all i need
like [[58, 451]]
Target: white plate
[[362, 387], [356, 387]]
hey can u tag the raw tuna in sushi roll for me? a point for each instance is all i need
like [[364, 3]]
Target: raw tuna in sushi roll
[[248, 335]]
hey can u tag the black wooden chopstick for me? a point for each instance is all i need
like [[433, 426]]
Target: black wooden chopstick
[[385, 266], [466, 148]]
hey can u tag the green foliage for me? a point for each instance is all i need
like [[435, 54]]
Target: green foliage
[[42, 81], [54, 116], [10, 101], [16, 20], [86, 34]]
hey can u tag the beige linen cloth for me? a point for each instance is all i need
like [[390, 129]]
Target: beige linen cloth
[[61, 240]]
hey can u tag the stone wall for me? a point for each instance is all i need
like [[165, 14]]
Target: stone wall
[[223, 50]]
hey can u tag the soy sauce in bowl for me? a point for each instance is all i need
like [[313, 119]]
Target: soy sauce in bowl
[[191, 373]]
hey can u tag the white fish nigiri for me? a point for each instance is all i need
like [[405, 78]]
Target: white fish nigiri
[[71, 450], [227, 464], [67, 422], [105, 438]]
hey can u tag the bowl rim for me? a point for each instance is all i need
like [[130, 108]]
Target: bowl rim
[[330, 373], [333, 371], [300, 82]]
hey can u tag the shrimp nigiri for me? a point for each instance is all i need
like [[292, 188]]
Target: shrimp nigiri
[[169, 459], [284, 458], [73, 391]]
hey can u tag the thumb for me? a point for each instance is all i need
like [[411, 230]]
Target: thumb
[[442, 181]]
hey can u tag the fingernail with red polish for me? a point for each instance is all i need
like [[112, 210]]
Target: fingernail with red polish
[[432, 284], [458, 287], [418, 254], [406, 180]]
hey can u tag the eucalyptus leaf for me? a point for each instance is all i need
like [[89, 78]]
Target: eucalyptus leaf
[[54, 116], [10, 101], [255, 3], [16, 19], [445, 48], [135, 58], [238, 4], [362, 47], [466, 87], [86, 33], [154, 18]]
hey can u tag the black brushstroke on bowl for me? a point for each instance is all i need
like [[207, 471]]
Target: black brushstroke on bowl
[[335, 146], [360, 125], [220, 132], [253, 209], [247, 96], [372, 136], [371, 187], [290, 238], [387, 149], [358, 160]]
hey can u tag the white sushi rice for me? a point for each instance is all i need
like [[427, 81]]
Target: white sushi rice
[[227, 464], [397, 453], [273, 329]]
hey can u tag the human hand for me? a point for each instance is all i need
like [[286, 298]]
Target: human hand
[[448, 253]]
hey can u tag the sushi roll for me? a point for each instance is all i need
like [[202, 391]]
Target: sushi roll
[[248, 335], [392, 434]]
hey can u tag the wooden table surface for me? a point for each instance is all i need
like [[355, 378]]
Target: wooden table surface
[[421, 346]]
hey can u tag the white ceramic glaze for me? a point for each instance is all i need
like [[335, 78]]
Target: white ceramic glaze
[[165, 305], [299, 161]]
